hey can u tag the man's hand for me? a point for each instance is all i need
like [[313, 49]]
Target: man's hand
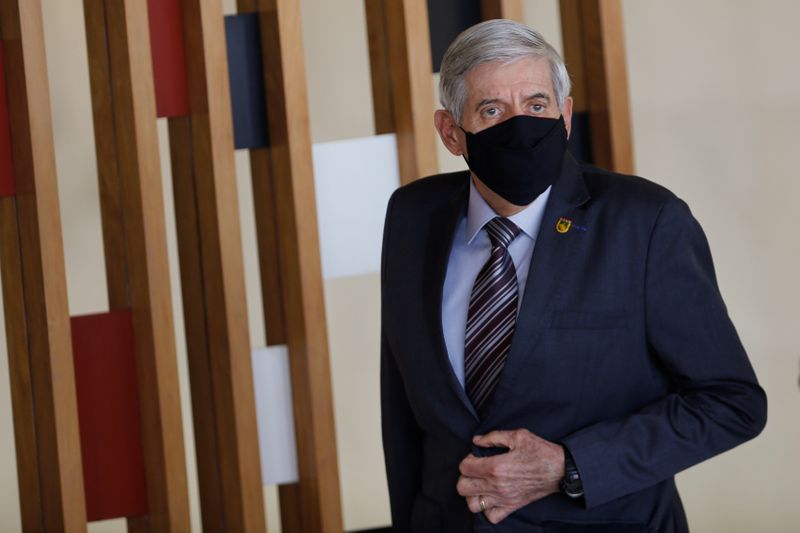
[[529, 471]]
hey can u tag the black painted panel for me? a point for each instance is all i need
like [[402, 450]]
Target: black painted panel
[[446, 19], [580, 139], [246, 75]]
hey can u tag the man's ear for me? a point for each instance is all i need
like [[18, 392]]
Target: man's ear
[[567, 113], [451, 135]]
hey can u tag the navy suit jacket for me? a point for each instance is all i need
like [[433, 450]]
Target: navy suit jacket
[[623, 351]]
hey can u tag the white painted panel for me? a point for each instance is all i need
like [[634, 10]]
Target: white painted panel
[[276, 435], [354, 180]]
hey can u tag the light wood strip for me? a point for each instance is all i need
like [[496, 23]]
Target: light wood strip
[[35, 293], [214, 294], [594, 49], [406, 61], [135, 241], [617, 92]]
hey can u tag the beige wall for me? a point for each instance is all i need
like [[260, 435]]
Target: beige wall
[[715, 96], [715, 116]]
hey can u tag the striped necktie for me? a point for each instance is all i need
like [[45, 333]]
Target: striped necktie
[[492, 315]]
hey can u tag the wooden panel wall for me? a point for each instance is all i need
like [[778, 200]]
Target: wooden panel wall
[[212, 278], [134, 236], [402, 81], [594, 50], [34, 291], [201, 145], [283, 185]]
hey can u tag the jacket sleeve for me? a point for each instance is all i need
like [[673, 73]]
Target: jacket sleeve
[[402, 437], [715, 401], [402, 444]]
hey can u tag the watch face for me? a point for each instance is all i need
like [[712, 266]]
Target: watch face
[[571, 491], [571, 485], [574, 493]]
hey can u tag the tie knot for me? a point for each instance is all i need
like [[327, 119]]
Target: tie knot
[[501, 231]]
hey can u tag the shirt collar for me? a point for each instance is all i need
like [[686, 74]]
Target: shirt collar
[[479, 213]]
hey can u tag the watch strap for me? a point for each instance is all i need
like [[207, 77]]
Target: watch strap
[[571, 484]]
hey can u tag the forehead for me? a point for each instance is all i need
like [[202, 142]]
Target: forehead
[[498, 79]]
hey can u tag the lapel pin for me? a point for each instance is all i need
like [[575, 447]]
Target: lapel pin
[[565, 224]]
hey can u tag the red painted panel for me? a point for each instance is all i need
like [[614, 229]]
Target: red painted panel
[[6, 163], [169, 57], [108, 415]]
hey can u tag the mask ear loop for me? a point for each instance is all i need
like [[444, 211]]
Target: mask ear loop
[[466, 134]]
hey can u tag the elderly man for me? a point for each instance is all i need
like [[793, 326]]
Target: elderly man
[[554, 344]]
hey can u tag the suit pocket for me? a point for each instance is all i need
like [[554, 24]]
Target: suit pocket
[[578, 355], [426, 516], [568, 319]]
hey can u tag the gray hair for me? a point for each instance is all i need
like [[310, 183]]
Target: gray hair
[[495, 40]]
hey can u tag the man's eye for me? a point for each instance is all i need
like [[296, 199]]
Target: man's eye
[[537, 108], [491, 112]]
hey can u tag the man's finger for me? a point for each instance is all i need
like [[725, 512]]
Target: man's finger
[[479, 467], [474, 503], [497, 438], [495, 515], [470, 486]]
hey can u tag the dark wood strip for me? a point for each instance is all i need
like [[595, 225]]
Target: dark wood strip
[[214, 294], [502, 9], [121, 77]]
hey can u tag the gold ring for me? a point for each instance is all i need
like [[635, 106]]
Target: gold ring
[[483, 504]]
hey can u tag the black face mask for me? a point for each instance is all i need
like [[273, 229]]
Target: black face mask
[[518, 158]]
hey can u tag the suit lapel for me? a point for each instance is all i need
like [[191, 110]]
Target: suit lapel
[[443, 227], [550, 257]]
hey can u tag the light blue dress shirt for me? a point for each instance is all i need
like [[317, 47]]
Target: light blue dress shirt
[[471, 249]]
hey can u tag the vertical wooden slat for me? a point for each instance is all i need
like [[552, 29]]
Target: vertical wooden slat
[[212, 275], [6, 164], [267, 235], [400, 59], [502, 9], [380, 71], [594, 50], [283, 183], [19, 369], [106, 152], [134, 234], [194, 317], [35, 293]]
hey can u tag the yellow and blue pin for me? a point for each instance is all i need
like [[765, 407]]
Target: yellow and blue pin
[[564, 224]]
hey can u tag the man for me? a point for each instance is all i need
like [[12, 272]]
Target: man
[[554, 345]]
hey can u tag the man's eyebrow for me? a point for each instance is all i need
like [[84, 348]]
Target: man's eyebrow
[[486, 101], [540, 95], [543, 96]]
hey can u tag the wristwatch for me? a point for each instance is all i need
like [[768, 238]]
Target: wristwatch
[[571, 484]]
